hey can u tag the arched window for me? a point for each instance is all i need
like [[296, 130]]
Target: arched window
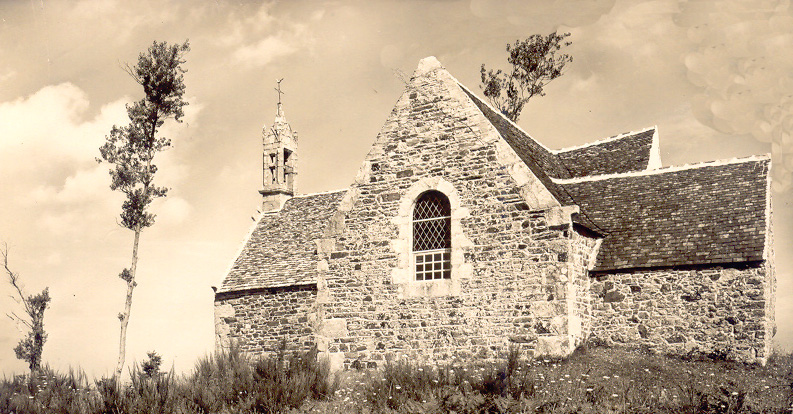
[[432, 236]]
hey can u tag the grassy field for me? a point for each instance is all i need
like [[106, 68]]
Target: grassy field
[[594, 380]]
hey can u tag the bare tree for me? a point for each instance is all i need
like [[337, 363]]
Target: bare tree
[[535, 62], [131, 150], [31, 346]]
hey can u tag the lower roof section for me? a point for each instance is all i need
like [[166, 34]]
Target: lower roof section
[[706, 214], [280, 250]]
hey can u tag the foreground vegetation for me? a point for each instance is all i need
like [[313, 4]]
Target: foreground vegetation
[[598, 380]]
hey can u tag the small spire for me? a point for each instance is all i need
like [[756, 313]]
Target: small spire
[[279, 109]]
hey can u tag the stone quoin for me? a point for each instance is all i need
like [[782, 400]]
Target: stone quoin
[[462, 237]]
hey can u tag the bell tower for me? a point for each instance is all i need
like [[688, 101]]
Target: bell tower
[[279, 159]]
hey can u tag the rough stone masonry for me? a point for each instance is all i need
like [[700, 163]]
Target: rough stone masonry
[[539, 249]]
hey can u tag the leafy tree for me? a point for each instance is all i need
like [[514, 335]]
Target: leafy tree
[[535, 62], [131, 150], [151, 366], [31, 346]]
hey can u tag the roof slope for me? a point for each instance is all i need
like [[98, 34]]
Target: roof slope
[[706, 214], [621, 154], [281, 250], [542, 162]]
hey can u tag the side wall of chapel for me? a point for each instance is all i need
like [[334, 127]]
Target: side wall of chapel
[[262, 321], [720, 310]]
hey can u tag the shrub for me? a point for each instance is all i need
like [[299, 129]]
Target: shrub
[[223, 379], [281, 382]]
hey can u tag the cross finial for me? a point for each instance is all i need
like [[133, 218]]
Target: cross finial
[[278, 89]]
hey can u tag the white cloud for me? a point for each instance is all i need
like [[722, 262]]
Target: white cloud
[[743, 66], [82, 187], [7, 74], [48, 166], [259, 38], [47, 129], [173, 210], [539, 15], [264, 51]]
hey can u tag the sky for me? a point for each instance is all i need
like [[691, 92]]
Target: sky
[[716, 77]]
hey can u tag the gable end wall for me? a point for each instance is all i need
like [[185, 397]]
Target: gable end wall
[[513, 283]]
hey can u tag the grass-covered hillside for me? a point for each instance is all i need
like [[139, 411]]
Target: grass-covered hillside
[[595, 380]]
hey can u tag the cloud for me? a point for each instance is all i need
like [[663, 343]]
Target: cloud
[[538, 15], [77, 189], [264, 51], [48, 129], [742, 64], [173, 210], [48, 162], [7, 74], [258, 37]]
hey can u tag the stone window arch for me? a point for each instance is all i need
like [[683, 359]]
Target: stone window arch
[[432, 236], [403, 274]]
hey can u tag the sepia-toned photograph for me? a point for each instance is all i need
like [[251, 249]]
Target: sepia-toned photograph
[[396, 206]]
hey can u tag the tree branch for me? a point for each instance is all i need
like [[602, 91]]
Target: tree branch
[[14, 279]]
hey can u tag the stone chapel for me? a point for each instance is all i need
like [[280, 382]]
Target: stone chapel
[[462, 236]]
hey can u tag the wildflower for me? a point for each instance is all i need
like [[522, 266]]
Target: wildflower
[[614, 395], [606, 377], [735, 393]]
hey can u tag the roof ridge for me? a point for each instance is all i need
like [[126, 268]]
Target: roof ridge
[[321, 193], [603, 140], [500, 114], [663, 170]]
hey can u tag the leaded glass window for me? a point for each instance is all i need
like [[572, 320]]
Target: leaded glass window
[[432, 236]]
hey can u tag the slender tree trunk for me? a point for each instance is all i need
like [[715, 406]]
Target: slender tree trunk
[[124, 316]]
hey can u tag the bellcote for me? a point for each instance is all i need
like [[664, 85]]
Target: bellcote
[[279, 161]]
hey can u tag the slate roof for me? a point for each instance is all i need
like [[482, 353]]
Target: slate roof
[[621, 154], [707, 214], [281, 250], [541, 161]]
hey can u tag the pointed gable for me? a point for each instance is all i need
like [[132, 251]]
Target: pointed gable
[[281, 249], [620, 154], [705, 214]]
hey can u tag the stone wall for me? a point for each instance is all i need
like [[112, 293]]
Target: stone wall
[[583, 251], [511, 281], [720, 310], [260, 321]]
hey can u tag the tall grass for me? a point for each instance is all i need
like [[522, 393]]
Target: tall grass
[[225, 382], [600, 380], [596, 380]]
